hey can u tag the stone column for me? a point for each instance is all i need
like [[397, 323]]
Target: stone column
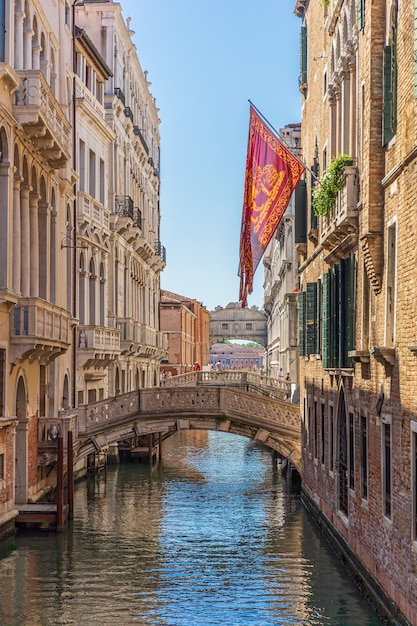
[[44, 249], [34, 245], [25, 240], [17, 246], [18, 33], [27, 48]]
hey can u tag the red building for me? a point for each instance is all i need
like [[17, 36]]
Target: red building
[[186, 323]]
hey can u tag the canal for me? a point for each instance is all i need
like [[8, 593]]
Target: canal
[[211, 536]]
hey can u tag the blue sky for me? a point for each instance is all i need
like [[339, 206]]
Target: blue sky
[[205, 60]]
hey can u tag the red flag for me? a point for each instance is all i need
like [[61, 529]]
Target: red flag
[[272, 174]]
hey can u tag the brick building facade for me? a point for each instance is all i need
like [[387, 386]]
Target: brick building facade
[[186, 323], [357, 304]]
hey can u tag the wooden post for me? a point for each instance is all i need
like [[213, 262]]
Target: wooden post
[[150, 442], [60, 486], [160, 446], [70, 474]]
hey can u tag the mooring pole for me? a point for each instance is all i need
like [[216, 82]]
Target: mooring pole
[[150, 442], [60, 486], [70, 474], [160, 446]]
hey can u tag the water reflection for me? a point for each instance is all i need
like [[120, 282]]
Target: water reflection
[[210, 536]]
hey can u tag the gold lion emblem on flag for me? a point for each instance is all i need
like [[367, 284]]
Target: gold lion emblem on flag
[[266, 184]]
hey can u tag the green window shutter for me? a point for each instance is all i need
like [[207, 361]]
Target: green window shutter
[[326, 320], [303, 56], [319, 315], [314, 175], [361, 14], [333, 317], [415, 48], [341, 314], [311, 318], [394, 81], [387, 132], [300, 198], [351, 306], [302, 323]]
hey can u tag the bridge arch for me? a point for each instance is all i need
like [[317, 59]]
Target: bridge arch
[[235, 322], [237, 410]]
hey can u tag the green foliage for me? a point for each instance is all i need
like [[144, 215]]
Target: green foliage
[[220, 419], [326, 189]]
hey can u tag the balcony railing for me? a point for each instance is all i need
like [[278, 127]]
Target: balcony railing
[[160, 251], [138, 133], [40, 330], [97, 346], [123, 206], [339, 229], [119, 94], [137, 217], [41, 117]]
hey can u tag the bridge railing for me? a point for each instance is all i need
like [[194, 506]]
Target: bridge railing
[[227, 377]]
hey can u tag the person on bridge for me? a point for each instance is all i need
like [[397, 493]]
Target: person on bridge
[[197, 366], [219, 366]]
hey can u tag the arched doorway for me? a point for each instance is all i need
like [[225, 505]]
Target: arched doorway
[[342, 449], [21, 479]]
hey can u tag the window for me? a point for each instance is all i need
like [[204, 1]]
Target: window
[[82, 166], [364, 457], [414, 478], [351, 450], [386, 467], [248, 326], [92, 175], [225, 326], [315, 430], [391, 285], [323, 431], [339, 287], [361, 14], [331, 437], [102, 181], [389, 126], [2, 467], [303, 58]]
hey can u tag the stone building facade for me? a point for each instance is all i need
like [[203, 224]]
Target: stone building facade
[[80, 253], [357, 277], [186, 323], [281, 282]]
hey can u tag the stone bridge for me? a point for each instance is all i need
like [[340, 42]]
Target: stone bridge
[[241, 403]]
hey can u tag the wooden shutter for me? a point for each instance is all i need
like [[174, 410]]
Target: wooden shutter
[[361, 14], [311, 318], [351, 305], [387, 132], [300, 235], [326, 320], [303, 56], [302, 323]]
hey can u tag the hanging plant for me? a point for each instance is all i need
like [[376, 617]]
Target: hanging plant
[[326, 189]]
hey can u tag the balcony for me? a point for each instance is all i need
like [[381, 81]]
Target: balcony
[[40, 330], [120, 95], [138, 133], [339, 229], [97, 346], [41, 118], [128, 113], [123, 210]]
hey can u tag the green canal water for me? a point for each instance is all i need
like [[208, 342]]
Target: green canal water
[[211, 536]]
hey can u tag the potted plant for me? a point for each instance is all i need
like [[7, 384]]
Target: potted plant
[[326, 189]]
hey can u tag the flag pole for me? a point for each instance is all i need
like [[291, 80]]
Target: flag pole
[[281, 140]]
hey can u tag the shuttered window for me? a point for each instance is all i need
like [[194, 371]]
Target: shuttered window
[[339, 313], [361, 14], [326, 320], [301, 212], [390, 90], [303, 56], [302, 323], [311, 318]]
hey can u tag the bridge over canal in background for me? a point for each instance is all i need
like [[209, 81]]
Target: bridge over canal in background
[[242, 403]]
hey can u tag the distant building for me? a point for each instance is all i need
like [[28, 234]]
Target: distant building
[[234, 356], [186, 323]]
